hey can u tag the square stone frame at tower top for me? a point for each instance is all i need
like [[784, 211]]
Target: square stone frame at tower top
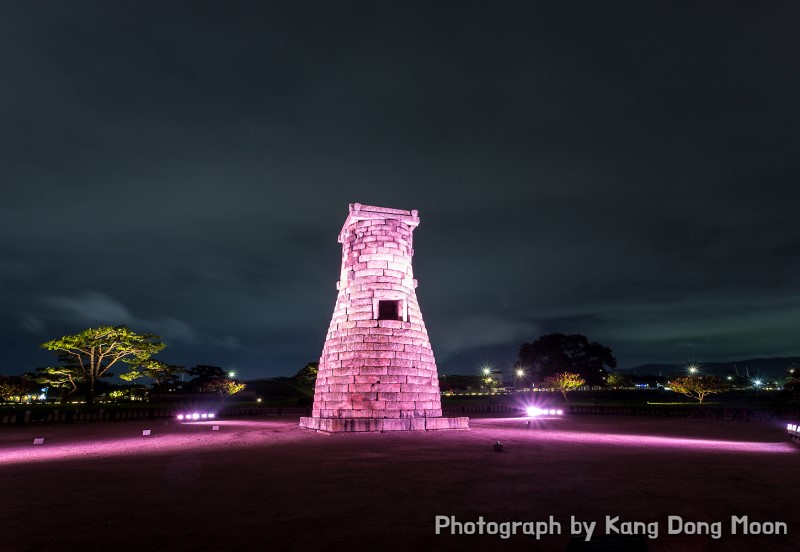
[[377, 371]]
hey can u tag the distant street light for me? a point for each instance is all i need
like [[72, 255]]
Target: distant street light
[[232, 374], [693, 368]]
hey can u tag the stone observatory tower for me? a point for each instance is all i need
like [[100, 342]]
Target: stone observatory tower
[[377, 371]]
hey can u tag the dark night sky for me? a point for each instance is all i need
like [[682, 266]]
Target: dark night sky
[[624, 171]]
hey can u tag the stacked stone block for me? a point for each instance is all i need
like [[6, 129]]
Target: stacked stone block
[[377, 371]]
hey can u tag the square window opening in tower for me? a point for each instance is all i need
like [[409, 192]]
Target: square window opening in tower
[[389, 310]]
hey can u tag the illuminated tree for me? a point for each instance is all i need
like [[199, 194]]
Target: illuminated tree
[[565, 381], [161, 373], [307, 375], [698, 387], [555, 353], [618, 380], [95, 350], [15, 386], [225, 387], [116, 395], [65, 379]]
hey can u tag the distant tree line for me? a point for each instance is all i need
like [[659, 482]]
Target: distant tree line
[[558, 361], [86, 358]]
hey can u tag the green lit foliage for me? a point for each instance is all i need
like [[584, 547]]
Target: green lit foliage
[[161, 373], [64, 379], [307, 375], [116, 395], [618, 380], [698, 387], [564, 381], [490, 382], [95, 350], [15, 387], [224, 386]]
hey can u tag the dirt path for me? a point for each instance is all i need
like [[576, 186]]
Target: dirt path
[[268, 485]]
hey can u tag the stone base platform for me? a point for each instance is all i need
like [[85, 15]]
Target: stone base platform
[[339, 425]]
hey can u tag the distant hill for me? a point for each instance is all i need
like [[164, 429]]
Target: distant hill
[[771, 367]]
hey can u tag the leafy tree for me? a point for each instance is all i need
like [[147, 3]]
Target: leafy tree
[[16, 386], [564, 381], [618, 380], [65, 379], [791, 375], [223, 386], [557, 353], [203, 373], [95, 350], [793, 387], [490, 382], [116, 394], [307, 375], [698, 387], [161, 373]]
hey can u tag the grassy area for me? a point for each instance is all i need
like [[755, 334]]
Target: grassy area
[[643, 398], [284, 392]]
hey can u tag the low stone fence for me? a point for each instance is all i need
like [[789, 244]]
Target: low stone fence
[[112, 414], [729, 413], [480, 408]]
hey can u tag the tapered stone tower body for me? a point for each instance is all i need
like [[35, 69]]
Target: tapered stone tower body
[[377, 371]]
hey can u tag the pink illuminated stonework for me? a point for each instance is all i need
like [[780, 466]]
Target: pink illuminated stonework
[[377, 371]]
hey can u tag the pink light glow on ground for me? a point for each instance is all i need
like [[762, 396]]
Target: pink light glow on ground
[[72, 442], [642, 441], [268, 483], [65, 443]]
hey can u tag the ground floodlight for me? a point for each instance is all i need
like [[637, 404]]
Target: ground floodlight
[[204, 415], [180, 416], [210, 415], [195, 416], [532, 411], [559, 412]]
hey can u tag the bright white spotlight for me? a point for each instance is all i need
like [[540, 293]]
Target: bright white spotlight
[[180, 416]]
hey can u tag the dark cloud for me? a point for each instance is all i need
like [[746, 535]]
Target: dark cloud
[[627, 172]]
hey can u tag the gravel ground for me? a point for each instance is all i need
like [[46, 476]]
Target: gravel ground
[[268, 485]]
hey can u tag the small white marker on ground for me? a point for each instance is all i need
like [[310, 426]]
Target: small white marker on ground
[[145, 432], [38, 441], [214, 428]]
